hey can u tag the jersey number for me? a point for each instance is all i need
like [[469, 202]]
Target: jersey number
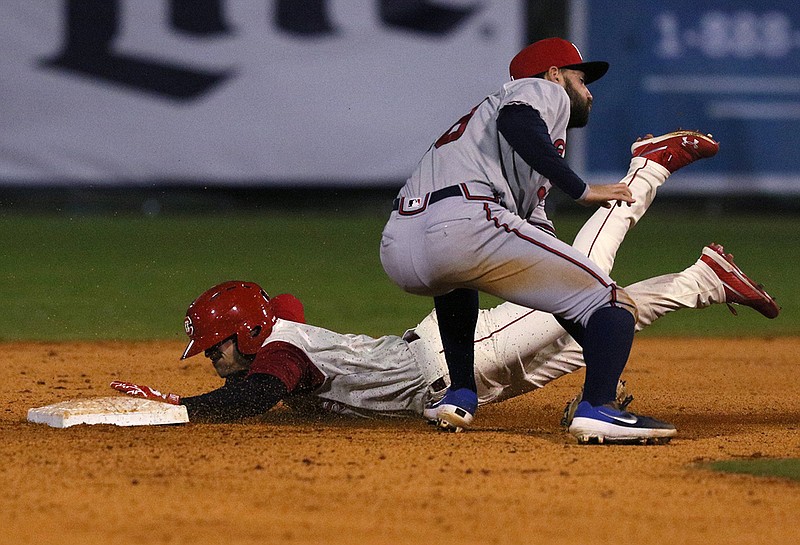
[[454, 133]]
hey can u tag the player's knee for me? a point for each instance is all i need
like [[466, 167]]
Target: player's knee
[[623, 300]]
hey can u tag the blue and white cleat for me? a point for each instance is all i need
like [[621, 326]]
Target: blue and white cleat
[[454, 411], [606, 424]]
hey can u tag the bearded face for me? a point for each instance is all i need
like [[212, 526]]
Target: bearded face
[[580, 103]]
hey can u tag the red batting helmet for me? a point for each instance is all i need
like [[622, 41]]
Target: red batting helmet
[[233, 308], [538, 57]]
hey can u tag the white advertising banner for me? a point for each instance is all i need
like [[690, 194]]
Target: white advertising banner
[[241, 91]]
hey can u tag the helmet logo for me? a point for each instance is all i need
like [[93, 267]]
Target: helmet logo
[[188, 326]]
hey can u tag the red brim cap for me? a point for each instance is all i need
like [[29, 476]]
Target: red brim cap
[[535, 59]]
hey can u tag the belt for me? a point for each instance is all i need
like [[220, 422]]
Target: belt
[[438, 385], [409, 206], [435, 196]]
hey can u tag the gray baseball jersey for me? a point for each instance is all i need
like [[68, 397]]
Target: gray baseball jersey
[[361, 373], [472, 216], [482, 154]]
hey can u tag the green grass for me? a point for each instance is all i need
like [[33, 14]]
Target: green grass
[[131, 277], [765, 247], [784, 468]]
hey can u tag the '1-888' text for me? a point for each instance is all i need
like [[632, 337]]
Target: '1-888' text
[[735, 35]]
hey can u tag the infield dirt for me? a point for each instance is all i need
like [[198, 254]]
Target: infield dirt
[[515, 478]]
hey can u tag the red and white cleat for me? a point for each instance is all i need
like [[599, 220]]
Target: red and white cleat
[[677, 149], [739, 289]]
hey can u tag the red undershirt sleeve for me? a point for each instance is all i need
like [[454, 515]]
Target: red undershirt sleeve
[[289, 364]]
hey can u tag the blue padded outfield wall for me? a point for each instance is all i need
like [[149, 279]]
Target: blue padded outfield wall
[[730, 68]]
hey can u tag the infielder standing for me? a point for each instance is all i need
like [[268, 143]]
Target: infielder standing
[[266, 353], [471, 218]]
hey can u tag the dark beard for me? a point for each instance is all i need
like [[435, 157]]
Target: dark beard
[[579, 108]]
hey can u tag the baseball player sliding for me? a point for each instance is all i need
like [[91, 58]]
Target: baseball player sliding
[[471, 218], [266, 352]]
